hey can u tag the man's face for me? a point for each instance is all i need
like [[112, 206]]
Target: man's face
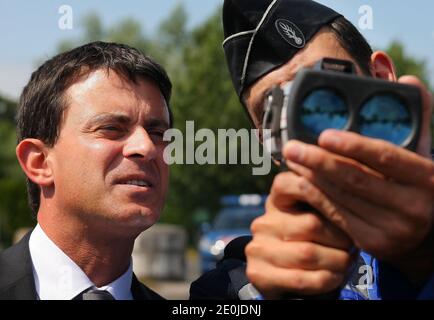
[[108, 161], [323, 44]]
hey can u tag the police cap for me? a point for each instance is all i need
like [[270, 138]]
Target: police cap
[[261, 35]]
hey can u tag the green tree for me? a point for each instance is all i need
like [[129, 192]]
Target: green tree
[[204, 93], [14, 212], [170, 41], [172, 33], [406, 64], [127, 31]]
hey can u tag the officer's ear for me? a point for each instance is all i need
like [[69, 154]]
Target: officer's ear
[[32, 156], [382, 66]]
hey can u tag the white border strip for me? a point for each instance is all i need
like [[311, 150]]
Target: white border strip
[[246, 59], [238, 35]]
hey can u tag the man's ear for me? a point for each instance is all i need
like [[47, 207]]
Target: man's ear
[[382, 66], [32, 156]]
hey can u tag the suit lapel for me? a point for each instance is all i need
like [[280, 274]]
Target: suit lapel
[[17, 281], [16, 274]]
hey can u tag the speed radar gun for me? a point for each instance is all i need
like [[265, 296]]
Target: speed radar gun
[[332, 96]]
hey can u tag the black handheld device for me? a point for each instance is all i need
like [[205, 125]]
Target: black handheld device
[[332, 96]]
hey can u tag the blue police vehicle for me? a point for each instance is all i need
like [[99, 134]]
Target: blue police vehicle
[[232, 221]]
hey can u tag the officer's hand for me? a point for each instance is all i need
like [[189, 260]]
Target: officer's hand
[[379, 194], [292, 251]]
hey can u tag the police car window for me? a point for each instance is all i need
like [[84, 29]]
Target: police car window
[[236, 218]]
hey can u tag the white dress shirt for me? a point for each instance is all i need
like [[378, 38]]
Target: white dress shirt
[[57, 277]]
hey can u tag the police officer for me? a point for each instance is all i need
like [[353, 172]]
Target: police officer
[[368, 194]]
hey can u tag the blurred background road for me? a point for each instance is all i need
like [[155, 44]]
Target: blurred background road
[[163, 260], [178, 289]]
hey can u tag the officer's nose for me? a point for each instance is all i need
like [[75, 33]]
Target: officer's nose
[[140, 145]]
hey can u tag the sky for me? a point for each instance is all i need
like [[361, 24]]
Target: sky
[[29, 29]]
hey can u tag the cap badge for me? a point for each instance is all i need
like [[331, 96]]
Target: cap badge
[[290, 33]]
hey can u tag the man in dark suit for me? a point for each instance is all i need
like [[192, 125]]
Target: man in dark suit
[[90, 141]]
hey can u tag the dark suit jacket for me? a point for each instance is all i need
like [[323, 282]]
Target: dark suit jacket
[[17, 282]]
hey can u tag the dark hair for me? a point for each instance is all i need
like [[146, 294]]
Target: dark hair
[[42, 103], [353, 42]]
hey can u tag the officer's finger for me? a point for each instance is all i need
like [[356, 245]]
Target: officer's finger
[[341, 216], [407, 224], [273, 281], [301, 226], [374, 228], [394, 162], [285, 192], [292, 186], [299, 254], [350, 176]]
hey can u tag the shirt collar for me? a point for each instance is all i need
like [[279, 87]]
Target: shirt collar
[[120, 289], [57, 277]]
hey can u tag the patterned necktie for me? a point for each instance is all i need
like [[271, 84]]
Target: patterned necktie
[[94, 294]]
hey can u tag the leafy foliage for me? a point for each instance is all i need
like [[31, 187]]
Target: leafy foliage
[[14, 212]]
